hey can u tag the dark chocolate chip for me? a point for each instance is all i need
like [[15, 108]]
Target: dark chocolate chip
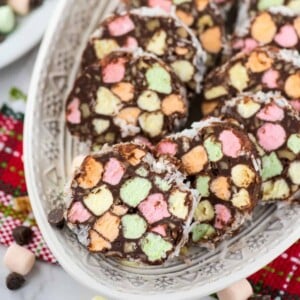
[[35, 3], [14, 281], [2, 38], [214, 170], [56, 218], [3, 2], [22, 235]]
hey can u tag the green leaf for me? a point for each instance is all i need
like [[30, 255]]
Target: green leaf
[[17, 94]]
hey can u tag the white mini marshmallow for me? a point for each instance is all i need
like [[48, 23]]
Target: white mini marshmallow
[[76, 163], [241, 290], [19, 259], [20, 7]]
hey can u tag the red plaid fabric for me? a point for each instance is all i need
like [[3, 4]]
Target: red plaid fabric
[[12, 184], [5, 199], [281, 278]]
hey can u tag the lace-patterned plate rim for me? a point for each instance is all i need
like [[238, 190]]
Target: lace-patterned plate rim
[[45, 175]]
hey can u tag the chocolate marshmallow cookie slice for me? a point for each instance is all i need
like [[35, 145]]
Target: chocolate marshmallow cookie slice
[[248, 8], [126, 204], [125, 95], [166, 5], [279, 26], [221, 162], [274, 126], [156, 32], [263, 69], [203, 17]]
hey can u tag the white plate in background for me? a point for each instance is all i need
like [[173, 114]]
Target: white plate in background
[[27, 34]]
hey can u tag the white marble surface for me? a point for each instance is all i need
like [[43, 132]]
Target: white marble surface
[[45, 282]]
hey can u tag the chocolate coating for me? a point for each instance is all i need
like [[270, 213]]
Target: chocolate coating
[[260, 115], [263, 69], [221, 180], [136, 204], [204, 18], [276, 28], [145, 98], [162, 35]]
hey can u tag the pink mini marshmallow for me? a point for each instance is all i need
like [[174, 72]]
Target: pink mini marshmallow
[[295, 104], [223, 216], [131, 43], [114, 72], [162, 4], [241, 290], [73, 111], [166, 147], [19, 259], [250, 44], [160, 229], [231, 144], [113, 172], [271, 136], [246, 45], [271, 113], [154, 208], [120, 26], [78, 213], [270, 78], [238, 44], [287, 37]]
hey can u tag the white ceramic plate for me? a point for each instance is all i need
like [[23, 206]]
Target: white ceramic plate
[[49, 150], [28, 33]]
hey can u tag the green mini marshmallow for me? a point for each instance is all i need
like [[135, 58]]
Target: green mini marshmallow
[[202, 231], [159, 79], [134, 226], [293, 143], [7, 19], [202, 185], [162, 184], [155, 247], [143, 172], [214, 149], [265, 4], [271, 166], [275, 190], [135, 190]]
